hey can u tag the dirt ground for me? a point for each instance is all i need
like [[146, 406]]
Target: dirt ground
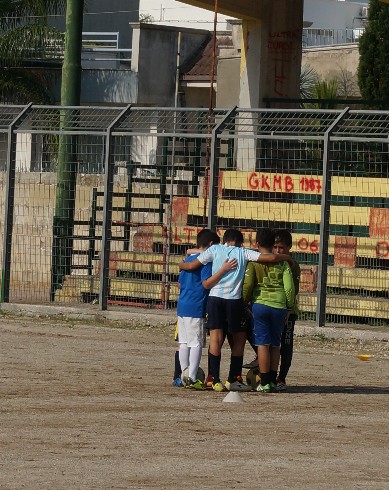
[[86, 406]]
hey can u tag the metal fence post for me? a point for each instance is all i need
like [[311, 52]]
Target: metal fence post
[[325, 224], [9, 205], [214, 168], [107, 212]]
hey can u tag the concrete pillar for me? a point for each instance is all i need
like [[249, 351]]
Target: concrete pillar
[[271, 53], [270, 63]]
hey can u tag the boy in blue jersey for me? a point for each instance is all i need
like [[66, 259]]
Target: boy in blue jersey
[[225, 304], [191, 307]]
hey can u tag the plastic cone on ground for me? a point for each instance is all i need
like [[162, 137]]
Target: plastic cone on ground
[[233, 397]]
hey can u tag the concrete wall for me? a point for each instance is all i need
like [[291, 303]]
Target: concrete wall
[[156, 60], [329, 62], [32, 232], [228, 85], [109, 87], [196, 96], [334, 62], [104, 87], [103, 16]]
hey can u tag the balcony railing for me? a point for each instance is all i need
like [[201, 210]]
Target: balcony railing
[[101, 49], [103, 46], [314, 37], [96, 47]]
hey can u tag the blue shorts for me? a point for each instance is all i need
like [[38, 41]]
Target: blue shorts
[[225, 314], [268, 325]]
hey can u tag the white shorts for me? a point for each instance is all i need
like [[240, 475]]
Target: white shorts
[[191, 331]]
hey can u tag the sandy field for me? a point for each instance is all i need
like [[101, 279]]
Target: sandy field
[[89, 405]]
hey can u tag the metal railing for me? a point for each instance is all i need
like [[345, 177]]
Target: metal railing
[[96, 46], [103, 46], [148, 179], [320, 37]]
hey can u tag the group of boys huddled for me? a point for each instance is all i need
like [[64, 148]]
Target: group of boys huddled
[[242, 295]]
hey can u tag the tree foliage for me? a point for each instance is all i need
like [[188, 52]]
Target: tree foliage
[[308, 78], [373, 70], [27, 43], [326, 92]]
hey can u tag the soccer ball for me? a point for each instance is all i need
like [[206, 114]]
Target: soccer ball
[[253, 378], [185, 376]]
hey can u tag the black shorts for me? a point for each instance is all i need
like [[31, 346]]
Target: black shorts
[[225, 314]]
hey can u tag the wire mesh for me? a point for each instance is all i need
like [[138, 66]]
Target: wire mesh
[[7, 115], [358, 276], [278, 183], [169, 121], [364, 124], [266, 168], [275, 122], [150, 231], [75, 120]]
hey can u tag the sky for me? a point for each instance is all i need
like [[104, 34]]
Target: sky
[[172, 12]]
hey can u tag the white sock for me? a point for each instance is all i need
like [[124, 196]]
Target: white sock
[[183, 354], [194, 361]]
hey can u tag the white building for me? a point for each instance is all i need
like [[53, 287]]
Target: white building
[[318, 14], [172, 12]]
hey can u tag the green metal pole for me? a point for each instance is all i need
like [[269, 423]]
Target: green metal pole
[[67, 162], [71, 70]]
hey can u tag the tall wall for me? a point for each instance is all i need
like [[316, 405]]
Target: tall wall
[[334, 61], [155, 60]]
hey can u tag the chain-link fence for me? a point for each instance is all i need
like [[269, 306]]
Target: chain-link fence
[[100, 204]]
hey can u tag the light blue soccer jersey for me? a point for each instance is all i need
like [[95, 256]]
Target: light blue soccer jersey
[[230, 285]]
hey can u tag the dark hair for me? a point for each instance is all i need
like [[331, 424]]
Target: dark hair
[[284, 236], [265, 238], [205, 237], [232, 235]]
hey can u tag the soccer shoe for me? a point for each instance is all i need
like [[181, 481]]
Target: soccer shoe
[[209, 381], [195, 385], [273, 386], [281, 385], [252, 364], [218, 387], [237, 386], [177, 382], [263, 388]]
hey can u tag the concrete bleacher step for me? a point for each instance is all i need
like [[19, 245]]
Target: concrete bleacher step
[[347, 305]]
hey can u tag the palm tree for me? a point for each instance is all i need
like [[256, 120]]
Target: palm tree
[[308, 78], [326, 93], [28, 46]]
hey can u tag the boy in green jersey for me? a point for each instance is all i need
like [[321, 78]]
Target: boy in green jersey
[[283, 245], [270, 290]]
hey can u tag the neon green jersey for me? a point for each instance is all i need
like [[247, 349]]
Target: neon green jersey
[[269, 284]]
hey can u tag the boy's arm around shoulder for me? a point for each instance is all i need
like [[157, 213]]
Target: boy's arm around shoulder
[[189, 266], [275, 258], [296, 273], [227, 266], [289, 286], [248, 283], [205, 257]]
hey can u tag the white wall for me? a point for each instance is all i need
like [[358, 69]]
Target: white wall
[[171, 12], [333, 14]]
